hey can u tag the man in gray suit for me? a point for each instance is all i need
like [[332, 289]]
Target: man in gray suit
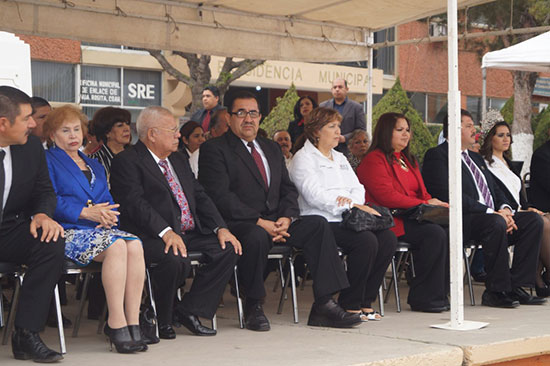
[[352, 112]]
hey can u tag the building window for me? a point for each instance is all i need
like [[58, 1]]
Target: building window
[[53, 81], [384, 58], [419, 103], [436, 105]]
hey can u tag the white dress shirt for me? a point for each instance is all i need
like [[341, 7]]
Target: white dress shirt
[[262, 155], [7, 174], [507, 177], [320, 181], [194, 161]]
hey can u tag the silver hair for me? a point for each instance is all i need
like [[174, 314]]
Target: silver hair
[[148, 118], [356, 133]]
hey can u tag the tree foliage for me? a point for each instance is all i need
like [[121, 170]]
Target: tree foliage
[[542, 127], [396, 100], [282, 113]]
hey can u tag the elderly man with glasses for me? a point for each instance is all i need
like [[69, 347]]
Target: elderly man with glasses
[[162, 202], [247, 179]]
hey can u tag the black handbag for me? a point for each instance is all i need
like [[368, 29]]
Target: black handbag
[[148, 324], [425, 212], [358, 220]]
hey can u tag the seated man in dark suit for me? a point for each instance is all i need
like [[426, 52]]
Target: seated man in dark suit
[[489, 219], [162, 202], [28, 235], [247, 178]]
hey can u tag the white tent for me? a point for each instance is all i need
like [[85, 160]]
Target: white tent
[[305, 30], [530, 55]]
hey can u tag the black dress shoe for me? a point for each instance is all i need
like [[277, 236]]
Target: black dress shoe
[[27, 345], [254, 317], [480, 276], [122, 339], [135, 333], [330, 314], [543, 291], [193, 324], [431, 309], [52, 321], [166, 331], [524, 298], [498, 300]]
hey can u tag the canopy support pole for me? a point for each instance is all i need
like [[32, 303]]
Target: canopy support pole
[[455, 182], [369, 41], [483, 92]]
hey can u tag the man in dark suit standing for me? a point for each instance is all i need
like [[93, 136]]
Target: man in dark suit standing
[[211, 103], [28, 235], [162, 202], [353, 116], [247, 178], [489, 219]]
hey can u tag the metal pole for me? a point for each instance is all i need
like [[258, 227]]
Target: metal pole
[[483, 92], [370, 41]]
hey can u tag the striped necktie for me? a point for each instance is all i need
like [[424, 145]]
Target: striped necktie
[[480, 182]]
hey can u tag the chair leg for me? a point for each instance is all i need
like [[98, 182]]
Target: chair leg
[[381, 299], [1, 306], [293, 287], [283, 294], [239, 300], [13, 308], [87, 277], [394, 268], [151, 299], [59, 321], [468, 277], [395, 285], [303, 282], [102, 320], [215, 322]]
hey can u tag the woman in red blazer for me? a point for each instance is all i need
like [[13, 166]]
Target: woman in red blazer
[[392, 179]]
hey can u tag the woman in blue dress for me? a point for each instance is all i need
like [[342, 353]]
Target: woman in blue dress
[[88, 214]]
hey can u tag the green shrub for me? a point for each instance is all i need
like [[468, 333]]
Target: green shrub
[[435, 130], [396, 100], [543, 125], [507, 111], [281, 115]]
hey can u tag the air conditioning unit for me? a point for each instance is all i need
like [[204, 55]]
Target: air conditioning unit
[[438, 29]]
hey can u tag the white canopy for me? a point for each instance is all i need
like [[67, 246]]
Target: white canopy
[[303, 30], [530, 55]]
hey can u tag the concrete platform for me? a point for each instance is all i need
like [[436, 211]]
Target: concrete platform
[[399, 339]]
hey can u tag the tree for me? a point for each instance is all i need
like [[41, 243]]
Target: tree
[[522, 14], [396, 100], [200, 73], [282, 113]]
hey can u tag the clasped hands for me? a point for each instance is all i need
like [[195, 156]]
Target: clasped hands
[[277, 229], [507, 215], [102, 213]]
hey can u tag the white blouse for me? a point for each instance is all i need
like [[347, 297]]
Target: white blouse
[[320, 181], [506, 176], [194, 161]]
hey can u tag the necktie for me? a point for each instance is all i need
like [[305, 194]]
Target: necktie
[[480, 182], [258, 161], [187, 222], [2, 183], [206, 122]]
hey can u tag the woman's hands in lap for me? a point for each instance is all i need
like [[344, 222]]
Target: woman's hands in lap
[[102, 213]]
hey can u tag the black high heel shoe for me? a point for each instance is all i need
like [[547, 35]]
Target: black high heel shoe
[[542, 291], [122, 339], [135, 332]]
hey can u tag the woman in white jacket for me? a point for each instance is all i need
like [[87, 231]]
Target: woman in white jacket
[[328, 186]]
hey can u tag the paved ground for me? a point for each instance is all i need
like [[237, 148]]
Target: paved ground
[[404, 338]]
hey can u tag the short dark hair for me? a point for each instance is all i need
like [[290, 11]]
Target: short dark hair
[[10, 101], [345, 81], [213, 89], [186, 130], [216, 118], [105, 118], [382, 137], [463, 112], [297, 114], [38, 102], [243, 94]]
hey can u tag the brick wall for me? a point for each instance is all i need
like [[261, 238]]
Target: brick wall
[[53, 49]]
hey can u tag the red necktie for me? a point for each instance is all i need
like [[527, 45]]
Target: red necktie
[[206, 122], [258, 161], [187, 222]]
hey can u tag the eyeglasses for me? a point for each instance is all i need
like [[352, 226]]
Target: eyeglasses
[[241, 113], [173, 131]]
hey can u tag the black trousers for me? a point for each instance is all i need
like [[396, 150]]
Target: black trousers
[[44, 262], [168, 272], [490, 230], [430, 250], [368, 256], [313, 235]]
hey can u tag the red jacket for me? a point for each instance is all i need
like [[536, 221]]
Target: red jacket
[[384, 188]]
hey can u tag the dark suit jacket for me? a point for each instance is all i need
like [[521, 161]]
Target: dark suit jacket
[[435, 172], [353, 116], [73, 189], [147, 205], [199, 115], [31, 190], [230, 176], [539, 183]]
